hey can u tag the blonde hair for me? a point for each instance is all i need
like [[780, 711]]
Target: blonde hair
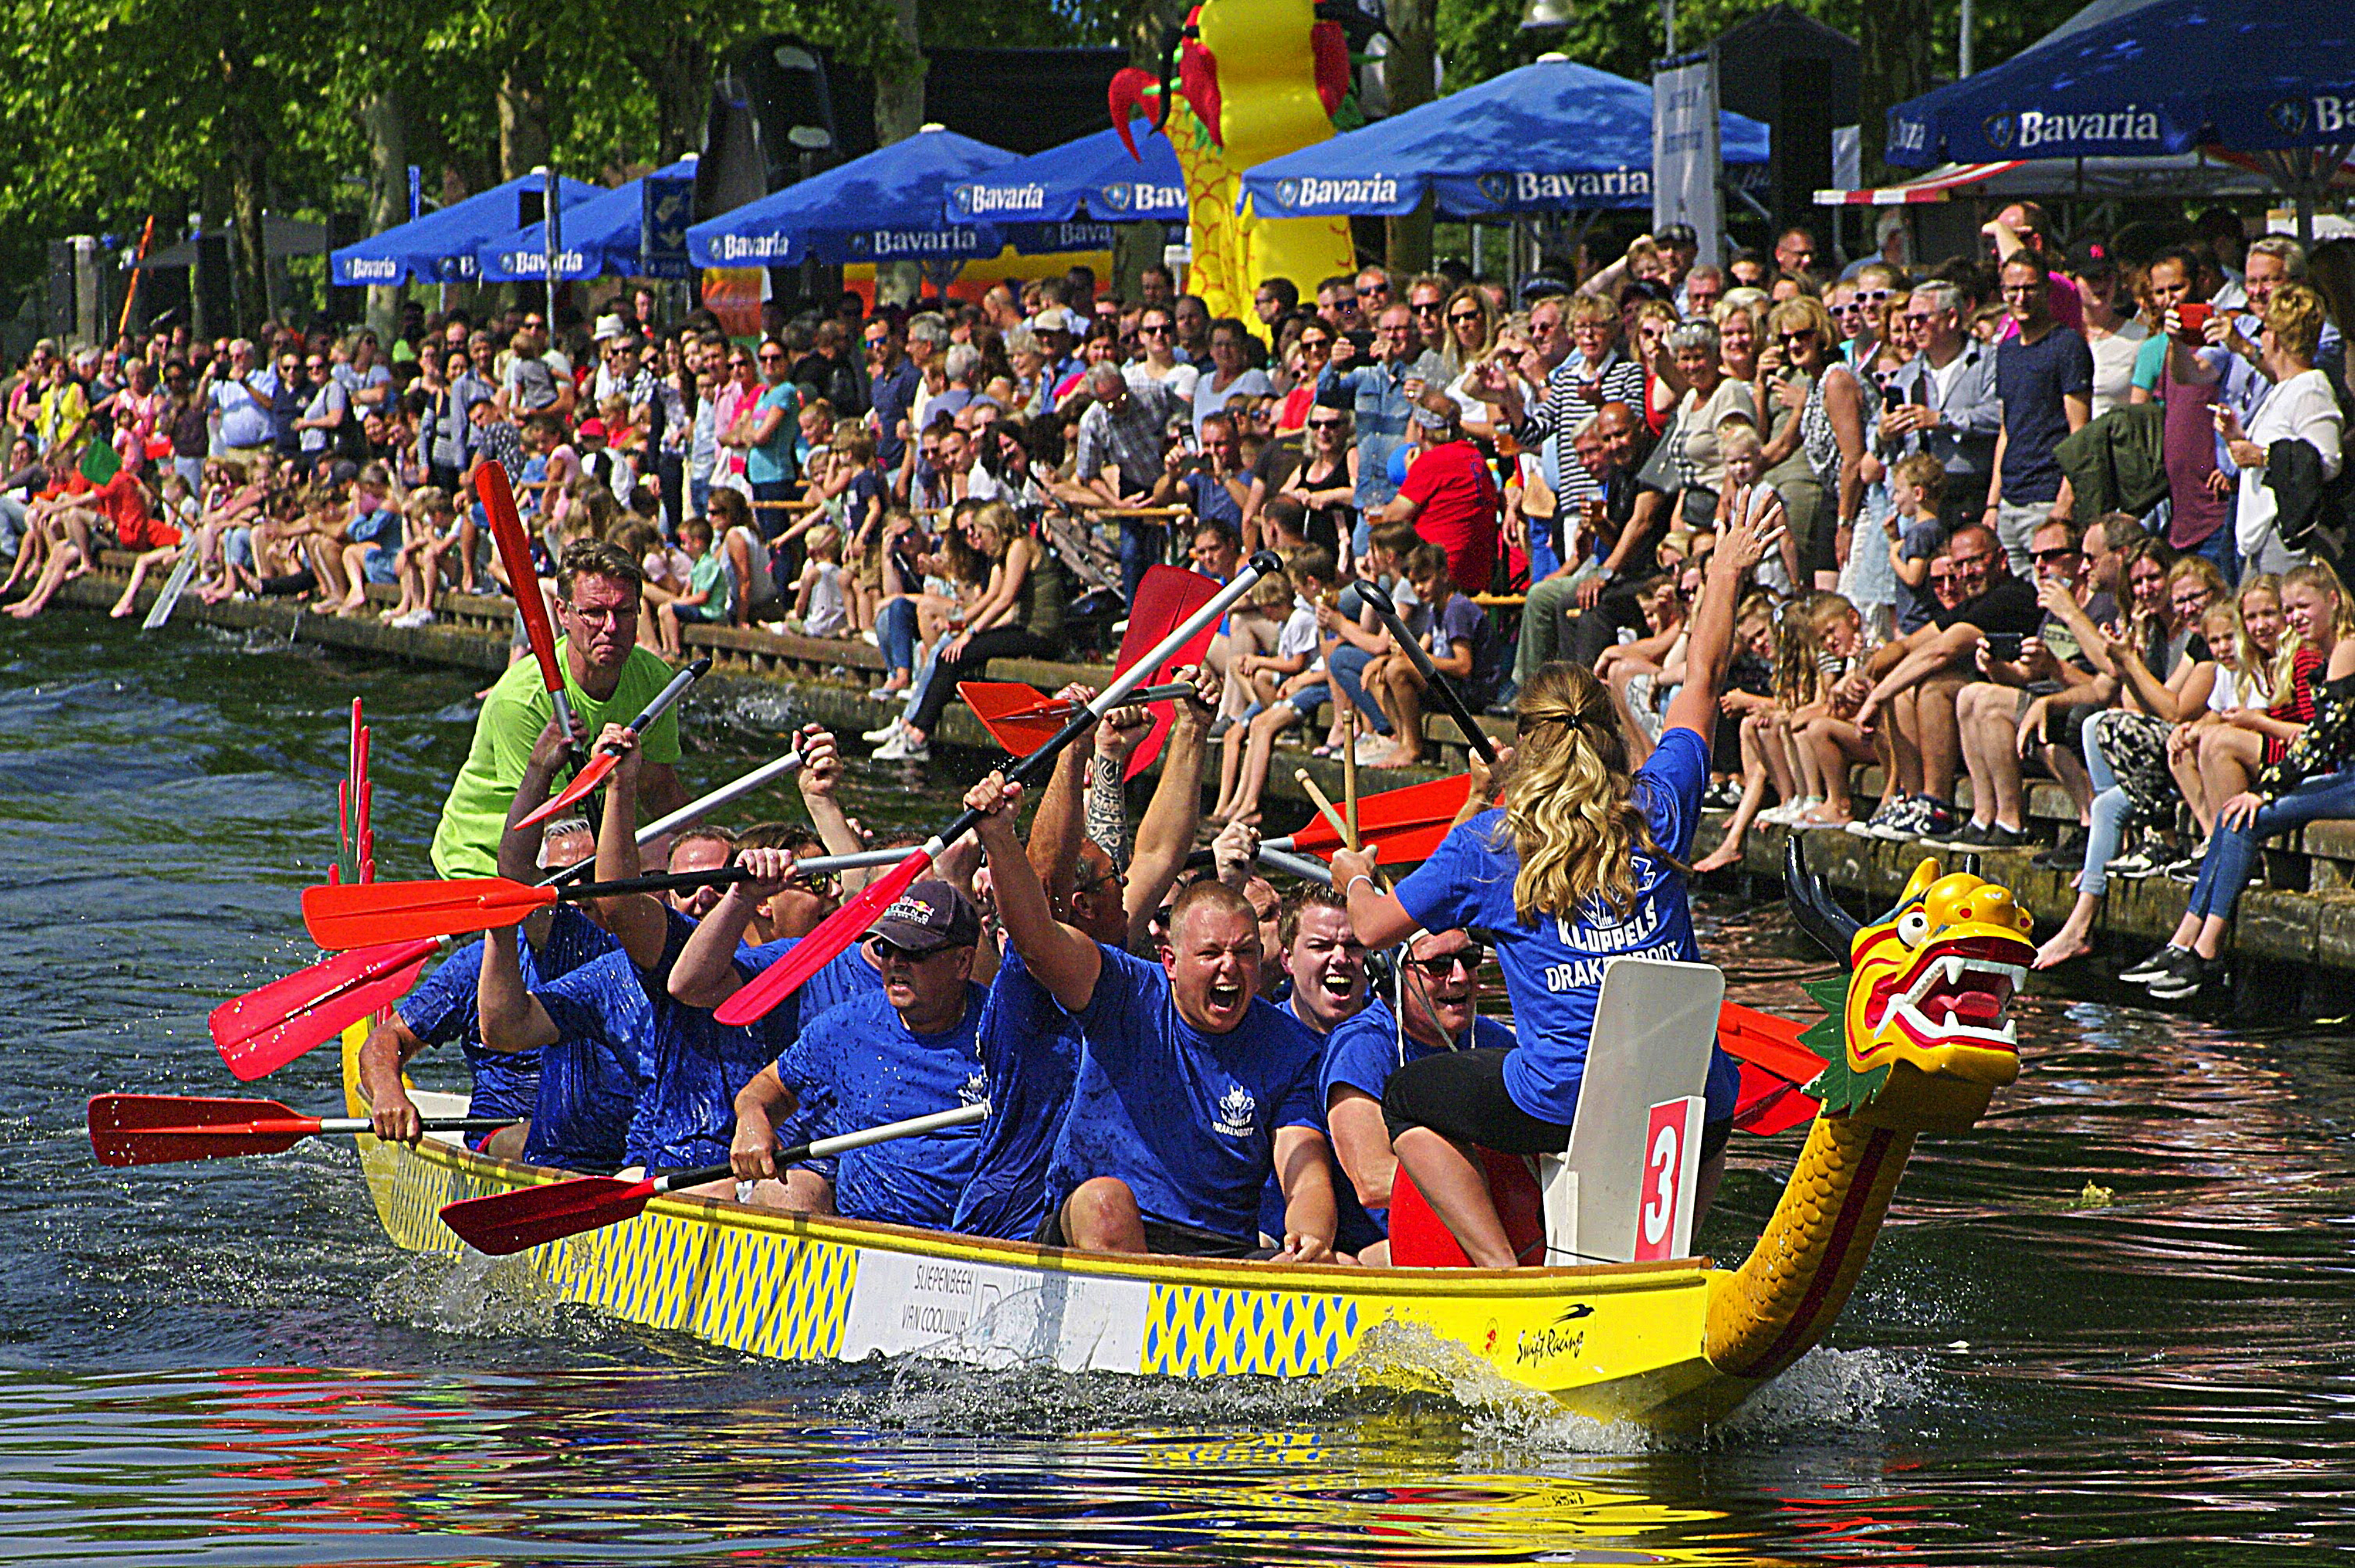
[[2250, 664], [823, 540], [2296, 316], [2317, 575], [1570, 810]]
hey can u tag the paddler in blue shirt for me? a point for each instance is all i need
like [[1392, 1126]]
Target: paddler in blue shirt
[[1190, 1087], [553, 942], [694, 1064], [1581, 865], [906, 1049], [1439, 973]]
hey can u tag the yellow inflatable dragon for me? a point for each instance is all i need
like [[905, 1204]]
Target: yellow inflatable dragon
[[1256, 79], [1915, 1041]]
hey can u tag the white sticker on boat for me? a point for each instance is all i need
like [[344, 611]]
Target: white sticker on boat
[[993, 1315]]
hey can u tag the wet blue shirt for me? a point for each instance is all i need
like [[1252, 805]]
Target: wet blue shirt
[[441, 1009], [590, 1080], [845, 977], [1553, 967], [1187, 1119], [1031, 1058], [861, 1061], [1361, 1053]]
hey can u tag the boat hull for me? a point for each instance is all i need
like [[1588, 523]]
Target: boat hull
[[1615, 1342]]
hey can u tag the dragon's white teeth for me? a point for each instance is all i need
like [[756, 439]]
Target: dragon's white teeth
[[1956, 969]]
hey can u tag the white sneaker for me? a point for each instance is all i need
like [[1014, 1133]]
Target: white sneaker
[[415, 618], [885, 731], [900, 749]]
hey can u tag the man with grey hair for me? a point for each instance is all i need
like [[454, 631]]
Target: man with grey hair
[[240, 397], [1122, 436], [1942, 401]]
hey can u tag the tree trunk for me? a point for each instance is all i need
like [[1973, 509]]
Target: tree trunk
[[523, 115], [1894, 38], [387, 138], [900, 114], [679, 68], [1409, 76], [247, 163]]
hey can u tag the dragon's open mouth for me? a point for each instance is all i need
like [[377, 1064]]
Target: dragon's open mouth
[[1959, 995]]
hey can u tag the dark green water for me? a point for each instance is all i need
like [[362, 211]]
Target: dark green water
[[227, 1364]]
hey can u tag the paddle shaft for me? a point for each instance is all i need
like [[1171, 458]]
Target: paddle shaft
[[670, 694], [1339, 824], [694, 811], [1050, 708], [594, 773], [825, 1148], [326, 1124], [1436, 683], [1042, 760], [1276, 858]]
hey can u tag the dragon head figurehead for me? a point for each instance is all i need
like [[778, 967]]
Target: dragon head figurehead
[[1916, 1036]]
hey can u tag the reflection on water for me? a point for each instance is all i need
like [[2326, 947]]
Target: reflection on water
[[226, 1363]]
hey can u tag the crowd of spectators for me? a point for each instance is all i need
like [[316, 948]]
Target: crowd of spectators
[[2053, 510]]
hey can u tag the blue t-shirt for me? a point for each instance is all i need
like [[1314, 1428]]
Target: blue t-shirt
[[862, 1062], [591, 1079], [1361, 1053], [845, 977], [694, 1064], [771, 462], [1921, 540], [890, 396], [1553, 968], [1030, 1057], [1187, 1119], [2030, 379], [1212, 500], [381, 528], [441, 1009]]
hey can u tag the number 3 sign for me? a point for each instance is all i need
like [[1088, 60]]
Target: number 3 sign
[[1671, 1171]]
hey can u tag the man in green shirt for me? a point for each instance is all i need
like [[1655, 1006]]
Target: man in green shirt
[[608, 679]]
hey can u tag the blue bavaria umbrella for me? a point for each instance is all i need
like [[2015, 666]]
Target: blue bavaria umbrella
[[600, 236], [2247, 76], [1556, 136], [439, 248], [889, 206], [1096, 173]]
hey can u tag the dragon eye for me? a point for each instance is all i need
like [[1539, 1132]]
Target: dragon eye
[[1913, 926]]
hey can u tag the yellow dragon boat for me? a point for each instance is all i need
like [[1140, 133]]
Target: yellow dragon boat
[[1915, 1041]]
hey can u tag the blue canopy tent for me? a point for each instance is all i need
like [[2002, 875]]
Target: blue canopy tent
[[890, 206], [2266, 76], [600, 236], [1555, 136], [439, 247], [1095, 172]]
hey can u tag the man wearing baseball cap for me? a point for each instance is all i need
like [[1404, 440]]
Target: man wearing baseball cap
[[906, 1050]]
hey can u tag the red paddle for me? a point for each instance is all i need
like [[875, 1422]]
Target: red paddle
[[1166, 595], [264, 1029], [606, 762], [1383, 816], [341, 915], [514, 550], [845, 925], [1018, 718], [158, 1130], [504, 1222], [1775, 1068]]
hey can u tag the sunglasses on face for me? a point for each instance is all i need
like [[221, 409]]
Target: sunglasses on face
[[1324, 425], [1461, 317], [1159, 329], [1442, 965], [2062, 554], [1429, 308], [1790, 339]]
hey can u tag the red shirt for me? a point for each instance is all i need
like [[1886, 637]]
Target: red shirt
[[1458, 497]]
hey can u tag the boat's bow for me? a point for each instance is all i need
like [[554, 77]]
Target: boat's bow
[[1916, 1040]]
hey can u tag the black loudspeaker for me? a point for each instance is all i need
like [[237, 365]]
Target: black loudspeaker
[[1800, 160], [58, 313], [770, 122], [216, 296]]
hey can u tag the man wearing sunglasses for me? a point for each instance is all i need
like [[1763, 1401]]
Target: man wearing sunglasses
[[906, 1050], [1942, 401], [1431, 1005]]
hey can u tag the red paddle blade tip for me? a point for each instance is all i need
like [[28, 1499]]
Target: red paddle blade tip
[[504, 1222], [264, 1029], [162, 1129], [813, 952], [589, 778], [364, 914]]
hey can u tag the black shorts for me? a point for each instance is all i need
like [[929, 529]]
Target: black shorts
[[1461, 1095], [1163, 1236]]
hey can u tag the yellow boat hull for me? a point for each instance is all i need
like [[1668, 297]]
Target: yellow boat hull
[[1615, 1342]]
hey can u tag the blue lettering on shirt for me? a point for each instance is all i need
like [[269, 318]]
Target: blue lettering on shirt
[[1030, 1056], [1554, 966], [1187, 1120], [868, 1068]]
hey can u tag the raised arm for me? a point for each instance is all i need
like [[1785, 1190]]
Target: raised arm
[[510, 1016], [1166, 836], [636, 920], [1748, 534], [1062, 958], [704, 973]]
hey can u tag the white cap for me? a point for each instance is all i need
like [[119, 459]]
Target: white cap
[[608, 326]]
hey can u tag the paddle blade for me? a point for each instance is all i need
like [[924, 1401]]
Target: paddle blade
[[504, 1222], [589, 778], [159, 1129], [1165, 597], [1006, 709], [820, 947], [515, 553], [1774, 1067], [264, 1029], [1384, 815], [363, 914]]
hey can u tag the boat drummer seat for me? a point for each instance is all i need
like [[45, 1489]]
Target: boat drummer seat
[[1636, 1137]]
